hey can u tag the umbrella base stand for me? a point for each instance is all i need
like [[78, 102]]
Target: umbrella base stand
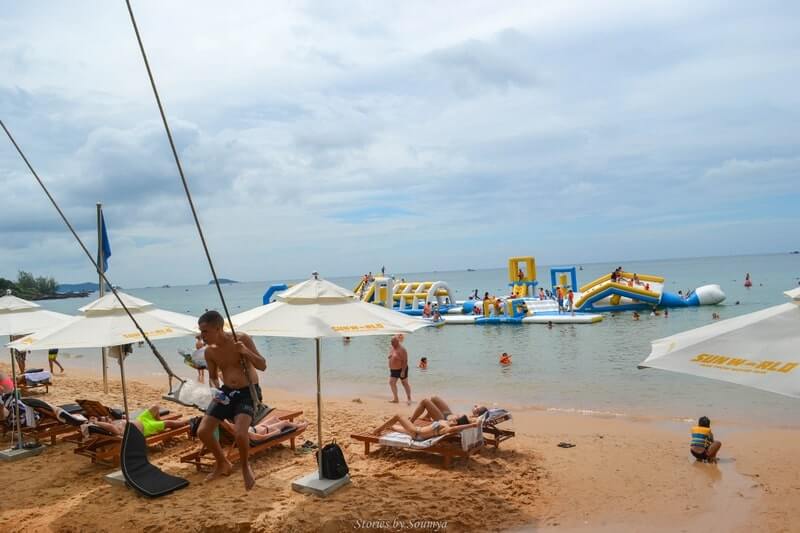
[[115, 478], [15, 454], [312, 484]]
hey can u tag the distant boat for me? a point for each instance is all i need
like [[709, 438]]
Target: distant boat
[[473, 270], [165, 286], [795, 252]]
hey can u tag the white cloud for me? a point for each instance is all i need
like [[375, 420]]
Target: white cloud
[[464, 125]]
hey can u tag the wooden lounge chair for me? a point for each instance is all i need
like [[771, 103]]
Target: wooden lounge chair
[[53, 422], [103, 447], [461, 444], [25, 387], [495, 435], [202, 457]]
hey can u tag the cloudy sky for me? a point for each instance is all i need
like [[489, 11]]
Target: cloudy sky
[[341, 136]]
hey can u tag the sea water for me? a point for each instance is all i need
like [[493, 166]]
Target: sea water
[[585, 368]]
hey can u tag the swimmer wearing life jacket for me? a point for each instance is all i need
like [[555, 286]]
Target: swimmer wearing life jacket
[[505, 359]]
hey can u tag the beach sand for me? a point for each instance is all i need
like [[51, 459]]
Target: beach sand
[[622, 475]]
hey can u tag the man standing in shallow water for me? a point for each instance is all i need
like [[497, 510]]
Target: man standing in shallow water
[[234, 401], [398, 368]]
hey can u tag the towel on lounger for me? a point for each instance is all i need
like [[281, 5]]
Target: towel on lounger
[[35, 378], [402, 440], [497, 412]]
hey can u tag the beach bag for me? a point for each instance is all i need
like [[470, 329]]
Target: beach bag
[[333, 464]]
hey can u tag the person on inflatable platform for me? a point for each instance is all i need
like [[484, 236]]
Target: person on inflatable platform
[[560, 298], [426, 310]]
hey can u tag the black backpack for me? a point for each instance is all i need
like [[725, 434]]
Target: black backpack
[[333, 464]]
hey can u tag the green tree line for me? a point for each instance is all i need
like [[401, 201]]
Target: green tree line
[[28, 286]]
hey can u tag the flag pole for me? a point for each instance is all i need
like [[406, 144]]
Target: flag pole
[[102, 289]]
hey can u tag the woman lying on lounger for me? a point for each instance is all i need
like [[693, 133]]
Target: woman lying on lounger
[[267, 428], [148, 422], [436, 429], [436, 409]]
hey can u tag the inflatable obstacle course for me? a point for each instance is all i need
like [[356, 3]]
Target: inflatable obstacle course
[[637, 292]]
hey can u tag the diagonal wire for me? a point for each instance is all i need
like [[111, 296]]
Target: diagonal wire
[[188, 193], [89, 255], [180, 167]]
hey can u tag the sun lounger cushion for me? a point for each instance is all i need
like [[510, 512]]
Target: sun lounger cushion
[[493, 414], [72, 408], [139, 472], [402, 440], [36, 378], [60, 413]]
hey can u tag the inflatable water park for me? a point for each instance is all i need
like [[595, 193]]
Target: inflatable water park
[[527, 301]]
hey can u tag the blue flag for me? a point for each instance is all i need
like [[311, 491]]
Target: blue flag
[[106, 245]]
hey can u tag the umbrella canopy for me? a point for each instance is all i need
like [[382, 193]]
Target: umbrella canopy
[[318, 308], [18, 316], [760, 350], [105, 323]]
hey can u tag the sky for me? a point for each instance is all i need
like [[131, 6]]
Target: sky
[[342, 136]]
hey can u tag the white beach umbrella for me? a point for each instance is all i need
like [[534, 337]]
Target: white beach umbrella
[[20, 317], [760, 350], [104, 323], [317, 309]]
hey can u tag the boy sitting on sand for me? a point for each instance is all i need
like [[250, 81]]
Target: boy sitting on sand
[[703, 445]]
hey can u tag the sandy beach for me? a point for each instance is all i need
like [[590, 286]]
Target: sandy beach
[[622, 475]]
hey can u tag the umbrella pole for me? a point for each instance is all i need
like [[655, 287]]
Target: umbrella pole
[[122, 375], [105, 370], [319, 415], [17, 429]]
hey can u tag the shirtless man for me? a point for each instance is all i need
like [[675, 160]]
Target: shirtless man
[[398, 369], [235, 403]]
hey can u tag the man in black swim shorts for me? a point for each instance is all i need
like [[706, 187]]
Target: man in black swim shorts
[[237, 361], [231, 402], [398, 369]]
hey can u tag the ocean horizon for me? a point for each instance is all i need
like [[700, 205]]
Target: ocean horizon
[[573, 367]]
